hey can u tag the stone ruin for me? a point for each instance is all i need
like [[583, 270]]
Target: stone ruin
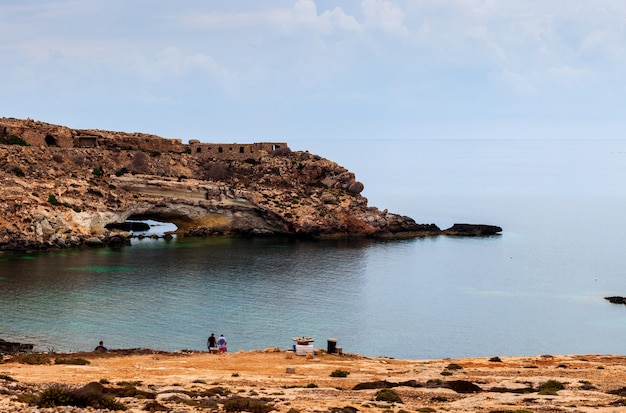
[[37, 133]]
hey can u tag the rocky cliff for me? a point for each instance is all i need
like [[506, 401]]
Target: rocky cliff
[[63, 187]]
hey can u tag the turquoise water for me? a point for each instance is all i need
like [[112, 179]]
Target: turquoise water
[[536, 289]]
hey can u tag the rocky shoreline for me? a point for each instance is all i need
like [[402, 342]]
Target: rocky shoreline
[[118, 239], [67, 188]]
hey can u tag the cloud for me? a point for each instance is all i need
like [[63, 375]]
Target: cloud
[[172, 63], [405, 60], [384, 15], [302, 15]]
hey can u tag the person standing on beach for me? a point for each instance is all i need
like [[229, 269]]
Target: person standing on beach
[[211, 343], [221, 344]]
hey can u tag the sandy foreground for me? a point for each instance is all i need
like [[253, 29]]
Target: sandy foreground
[[180, 382]]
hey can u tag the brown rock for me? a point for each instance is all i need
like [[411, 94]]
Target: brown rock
[[472, 230], [69, 185]]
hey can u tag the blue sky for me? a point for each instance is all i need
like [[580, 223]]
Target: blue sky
[[304, 70]]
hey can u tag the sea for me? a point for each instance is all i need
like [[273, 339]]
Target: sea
[[537, 288]]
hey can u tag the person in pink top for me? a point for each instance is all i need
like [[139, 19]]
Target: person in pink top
[[221, 344]]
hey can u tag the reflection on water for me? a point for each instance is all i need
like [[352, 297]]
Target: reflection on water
[[169, 295]]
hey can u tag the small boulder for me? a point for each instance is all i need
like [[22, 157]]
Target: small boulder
[[93, 242], [462, 386]]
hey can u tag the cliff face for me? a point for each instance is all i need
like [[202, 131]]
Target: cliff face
[[67, 186]]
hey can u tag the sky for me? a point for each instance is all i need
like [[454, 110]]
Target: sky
[[307, 71]]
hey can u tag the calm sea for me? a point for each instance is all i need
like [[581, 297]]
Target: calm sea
[[536, 289]]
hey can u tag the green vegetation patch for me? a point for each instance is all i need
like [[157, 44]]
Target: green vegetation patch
[[388, 395], [13, 140], [90, 395], [339, 373], [33, 358], [551, 387], [77, 361]]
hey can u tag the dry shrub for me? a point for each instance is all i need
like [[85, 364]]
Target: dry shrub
[[245, 404], [216, 171], [77, 361], [33, 358], [388, 395], [90, 395], [140, 164]]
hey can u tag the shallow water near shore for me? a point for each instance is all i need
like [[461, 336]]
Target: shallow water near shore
[[536, 289]]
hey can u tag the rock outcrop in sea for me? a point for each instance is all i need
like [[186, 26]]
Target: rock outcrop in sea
[[67, 187]]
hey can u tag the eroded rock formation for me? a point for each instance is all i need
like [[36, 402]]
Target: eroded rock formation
[[64, 187], [7, 347]]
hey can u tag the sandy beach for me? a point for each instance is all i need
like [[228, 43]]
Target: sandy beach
[[275, 380]]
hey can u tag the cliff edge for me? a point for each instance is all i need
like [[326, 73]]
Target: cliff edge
[[66, 187]]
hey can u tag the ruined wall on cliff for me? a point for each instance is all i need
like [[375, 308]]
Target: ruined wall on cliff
[[36, 133]]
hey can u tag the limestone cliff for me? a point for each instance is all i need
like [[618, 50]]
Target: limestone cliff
[[63, 187]]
